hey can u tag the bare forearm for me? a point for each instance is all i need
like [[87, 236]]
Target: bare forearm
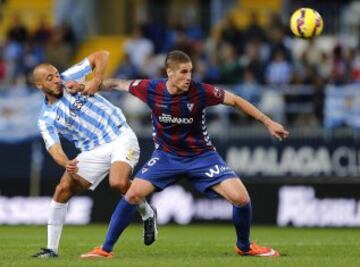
[[275, 129], [99, 61], [250, 109], [58, 155], [115, 84]]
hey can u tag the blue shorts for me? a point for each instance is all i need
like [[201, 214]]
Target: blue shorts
[[204, 170]]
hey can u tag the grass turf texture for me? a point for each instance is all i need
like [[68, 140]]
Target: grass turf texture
[[192, 245]]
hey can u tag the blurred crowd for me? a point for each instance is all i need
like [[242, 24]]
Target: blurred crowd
[[266, 65], [24, 48], [285, 76], [230, 55]]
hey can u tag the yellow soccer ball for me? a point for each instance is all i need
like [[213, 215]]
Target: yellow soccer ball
[[306, 23]]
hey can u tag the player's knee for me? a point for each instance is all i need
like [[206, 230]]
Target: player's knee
[[240, 199], [62, 188], [122, 186], [133, 197], [62, 192]]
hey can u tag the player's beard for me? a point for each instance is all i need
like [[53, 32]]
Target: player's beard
[[57, 95], [60, 95]]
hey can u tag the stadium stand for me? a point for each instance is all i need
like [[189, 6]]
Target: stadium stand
[[250, 51]]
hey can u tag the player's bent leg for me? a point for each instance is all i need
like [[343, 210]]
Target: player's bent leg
[[120, 172], [123, 213], [139, 190], [68, 186], [119, 176], [119, 179], [235, 192]]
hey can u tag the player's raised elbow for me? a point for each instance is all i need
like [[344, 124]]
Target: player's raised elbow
[[98, 56], [105, 53]]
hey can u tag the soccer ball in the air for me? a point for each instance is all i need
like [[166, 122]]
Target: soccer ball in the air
[[306, 23]]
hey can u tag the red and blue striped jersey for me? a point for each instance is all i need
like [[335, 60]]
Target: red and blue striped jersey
[[179, 123]]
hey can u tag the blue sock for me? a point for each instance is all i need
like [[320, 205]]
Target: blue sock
[[242, 219], [120, 219]]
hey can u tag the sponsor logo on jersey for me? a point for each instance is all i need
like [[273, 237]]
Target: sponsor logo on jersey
[[217, 170], [217, 92], [79, 102], [190, 106], [167, 118]]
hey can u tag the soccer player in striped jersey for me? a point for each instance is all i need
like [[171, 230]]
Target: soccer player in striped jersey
[[98, 129], [183, 149]]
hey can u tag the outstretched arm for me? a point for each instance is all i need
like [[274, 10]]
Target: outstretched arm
[[275, 129], [105, 85], [115, 84]]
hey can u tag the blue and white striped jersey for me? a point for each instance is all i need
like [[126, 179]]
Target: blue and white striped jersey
[[87, 121]]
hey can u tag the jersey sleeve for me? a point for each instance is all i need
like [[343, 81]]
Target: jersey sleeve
[[48, 133], [77, 72], [139, 88], [213, 95]]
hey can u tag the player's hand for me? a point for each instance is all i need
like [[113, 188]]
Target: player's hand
[[73, 87], [71, 166], [91, 87], [276, 129]]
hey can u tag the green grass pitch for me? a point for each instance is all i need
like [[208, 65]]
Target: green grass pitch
[[192, 245]]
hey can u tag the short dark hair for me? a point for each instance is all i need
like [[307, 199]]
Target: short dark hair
[[176, 56]]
